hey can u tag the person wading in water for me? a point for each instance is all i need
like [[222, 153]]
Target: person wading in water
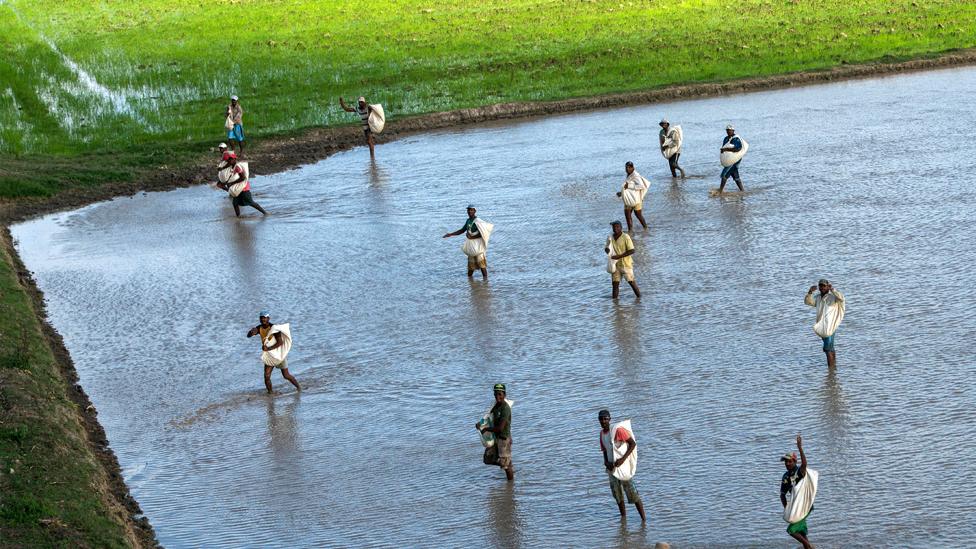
[[792, 476], [363, 109], [263, 329]]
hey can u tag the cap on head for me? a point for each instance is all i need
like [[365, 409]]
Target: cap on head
[[617, 223], [233, 98], [730, 127], [222, 146], [663, 122], [471, 207], [362, 99], [499, 388], [824, 281], [264, 314], [790, 456], [629, 164], [603, 414]]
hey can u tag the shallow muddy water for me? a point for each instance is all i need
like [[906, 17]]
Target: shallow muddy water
[[865, 183]]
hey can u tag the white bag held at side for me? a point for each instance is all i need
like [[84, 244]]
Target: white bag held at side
[[278, 355], [611, 262], [237, 188], [801, 502], [487, 437], [673, 143], [377, 119], [632, 197], [229, 123], [474, 247], [728, 158], [833, 314], [627, 469]]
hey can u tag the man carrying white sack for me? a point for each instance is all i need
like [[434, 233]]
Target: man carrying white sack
[[830, 306], [275, 344], [731, 144], [363, 109], [476, 233], [801, 485], [620, 249], [671, 139], [620, 464], [632, 193]]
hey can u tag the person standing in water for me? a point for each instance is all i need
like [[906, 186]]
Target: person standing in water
[[619, 487], [623, 248], [501, 426], [632, 193], [470, 230], [828, 302], [363, 109], [731, 143], [238, 175], [793, 474], [671, 137], [263, 329]]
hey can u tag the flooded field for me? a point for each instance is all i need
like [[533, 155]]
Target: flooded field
[[865, 183]]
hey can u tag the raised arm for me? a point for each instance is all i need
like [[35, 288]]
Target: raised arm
[[254, 331], [345, 107], [837, 295], [809, 300], [803, 457]]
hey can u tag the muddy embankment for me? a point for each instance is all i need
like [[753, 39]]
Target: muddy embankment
[[270, 155]]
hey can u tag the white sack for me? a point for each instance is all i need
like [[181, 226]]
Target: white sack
[[632, 197], [728, 158], [487, 437], [628, 469], [276, 356], [229, 123], [474, 247], [611, 262], [237, 188], [801, 502], [829, 316], [634, 189], [672, 142], [377, 119]]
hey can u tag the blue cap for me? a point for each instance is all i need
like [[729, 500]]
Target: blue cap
[[264, 314]]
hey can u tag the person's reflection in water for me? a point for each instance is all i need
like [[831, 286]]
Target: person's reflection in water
[[283, 427], [483, 321], [834, 413], [242, 237], [626, 335], [377, 176], [736, 212], [504, 517]]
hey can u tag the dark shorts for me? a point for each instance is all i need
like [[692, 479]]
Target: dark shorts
[[828, 345], [732, 171], [244, 199], [673, 161], [620, 487]]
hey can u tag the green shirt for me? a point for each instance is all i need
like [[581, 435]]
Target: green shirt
[[470, 227], [501, 411]]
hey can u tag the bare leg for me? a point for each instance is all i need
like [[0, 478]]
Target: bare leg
[[510, 473], [831, 359], [267, 377], [470, 272], [627, 217], [258, 207], [237, 210], [738, 183], [484, 273], [640, 217], [623, 510], [633, 286], [640, 509], [240, 145], [287, 375], [721, 188], [802, 539], [369, 139], [616, 288]]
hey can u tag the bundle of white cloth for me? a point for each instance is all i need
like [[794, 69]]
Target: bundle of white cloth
[[672, 142], [277, 355], [487, 437], [476, 247], [830, 313], [377, 118], [634, 189], [727, 157], [801, 502], [628, 468]]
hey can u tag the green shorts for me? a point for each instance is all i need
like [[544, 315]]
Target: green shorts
[[620, 487], [798, 527]]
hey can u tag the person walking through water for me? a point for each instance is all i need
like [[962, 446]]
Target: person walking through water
[[235, 124], [501, 426], [793, 475], [618, 487], [239, 176], [632, 193], [830, 307], [620, 247], [263, 329], [363, 109], [471, 231], [671, 141], [732, 143]]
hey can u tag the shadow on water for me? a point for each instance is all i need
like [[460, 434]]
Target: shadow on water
[[242, 238], [484, 318], [503, 515], [283, 427], [626, 337], [377, 175], [834, 412]]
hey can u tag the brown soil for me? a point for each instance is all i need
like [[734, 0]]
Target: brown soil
[[276, 154]]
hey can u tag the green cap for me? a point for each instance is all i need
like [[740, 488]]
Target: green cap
[[500, 387]]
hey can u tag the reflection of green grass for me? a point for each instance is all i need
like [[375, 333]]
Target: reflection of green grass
[[171, 64]]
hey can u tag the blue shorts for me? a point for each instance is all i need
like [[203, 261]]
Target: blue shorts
[[732, 170], [828, 344], [237, 134]]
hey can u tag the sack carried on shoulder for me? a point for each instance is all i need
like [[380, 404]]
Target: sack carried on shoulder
[[236, 189]]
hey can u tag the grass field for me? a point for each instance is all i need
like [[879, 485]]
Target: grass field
[[89, 89]]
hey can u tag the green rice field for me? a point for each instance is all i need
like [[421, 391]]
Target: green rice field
[[80, 79]]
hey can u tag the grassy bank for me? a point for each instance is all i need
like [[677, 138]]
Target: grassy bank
[[106, 91], [54, 492]]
